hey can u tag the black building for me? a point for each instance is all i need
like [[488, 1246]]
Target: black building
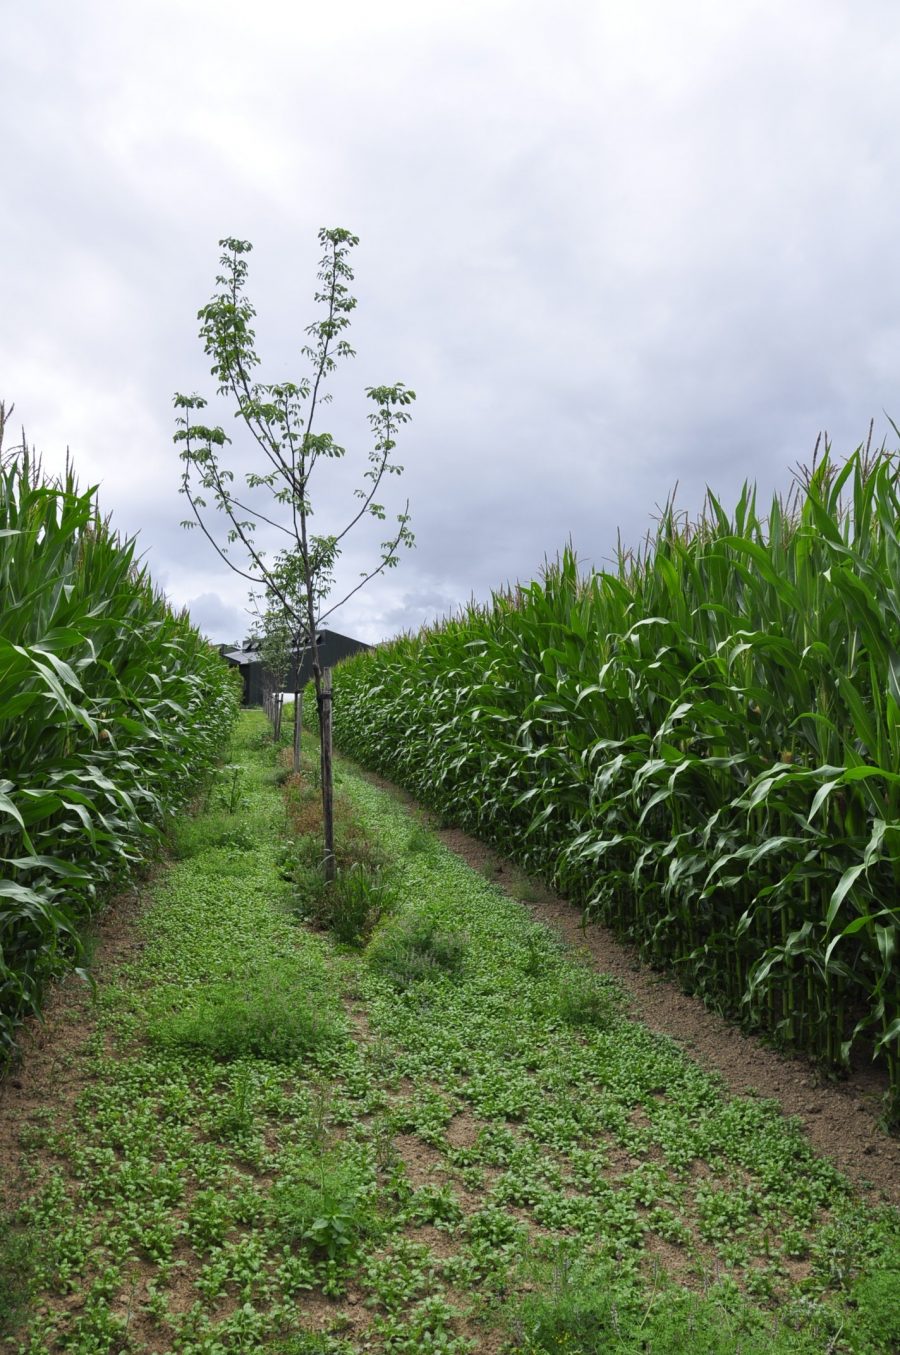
[[331, 646]]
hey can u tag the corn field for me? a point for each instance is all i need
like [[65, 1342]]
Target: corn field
[[111, 709], [700, 747]]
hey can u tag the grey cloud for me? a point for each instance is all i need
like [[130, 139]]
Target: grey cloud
[[218, 620], [612, 248]]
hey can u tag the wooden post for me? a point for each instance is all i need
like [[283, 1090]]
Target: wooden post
[[298, 723], [327, 775]]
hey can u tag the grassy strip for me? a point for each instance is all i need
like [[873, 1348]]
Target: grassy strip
[[239, 1174], [195, 1195], [612, 1194]]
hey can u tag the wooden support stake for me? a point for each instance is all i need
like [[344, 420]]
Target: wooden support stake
[[298, 725], [327, 774]]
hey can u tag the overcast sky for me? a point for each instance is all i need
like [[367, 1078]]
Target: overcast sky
[[612, 246]]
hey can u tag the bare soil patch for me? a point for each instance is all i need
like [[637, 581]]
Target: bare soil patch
[[50, 1072]]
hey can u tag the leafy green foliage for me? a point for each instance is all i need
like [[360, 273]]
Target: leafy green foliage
[[357, 900], [268, 1013], [417, 948], [323, 1203], [113, 710], [585, 1313], [877, 1318], [701, 748]]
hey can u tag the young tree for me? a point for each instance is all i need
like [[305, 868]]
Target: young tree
[[283, 641], [281, 421], [273, 633]]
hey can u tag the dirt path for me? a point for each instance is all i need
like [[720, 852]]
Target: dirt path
[[841, 1119], [50, 1073]]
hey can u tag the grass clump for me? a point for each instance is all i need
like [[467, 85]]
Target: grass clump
[[17, 1263], [417, 948], [311, 1343], [350, 906], [192, 837], [357, 899], [420, 841], [540, 952], [299, 854], [584, 998], [581, 1312], [271, 1013], [877, 1318]]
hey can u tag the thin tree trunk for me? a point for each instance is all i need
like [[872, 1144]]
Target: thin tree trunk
[[327, 773]]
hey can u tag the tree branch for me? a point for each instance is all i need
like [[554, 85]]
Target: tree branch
[[386, 562]]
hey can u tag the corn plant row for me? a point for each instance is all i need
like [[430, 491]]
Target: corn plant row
[[111, 709], [701, 747]]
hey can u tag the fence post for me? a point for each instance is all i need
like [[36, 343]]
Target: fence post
[[327, 775], [298, 724]]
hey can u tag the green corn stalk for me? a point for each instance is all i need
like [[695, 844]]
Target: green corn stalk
[[702, 746], [112, 709]]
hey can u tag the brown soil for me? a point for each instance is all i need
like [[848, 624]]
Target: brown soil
[[840, 1119], [43, 1085], [463, 1130]]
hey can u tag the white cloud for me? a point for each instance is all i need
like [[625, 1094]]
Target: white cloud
[[612, 247]]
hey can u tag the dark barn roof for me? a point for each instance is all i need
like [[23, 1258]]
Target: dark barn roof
[[332, 647]]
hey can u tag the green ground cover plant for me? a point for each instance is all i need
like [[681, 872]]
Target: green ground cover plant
[[261, 1012], [113, 710], [460, 1167], [584, 1312], [415, 949], [700, 747]]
